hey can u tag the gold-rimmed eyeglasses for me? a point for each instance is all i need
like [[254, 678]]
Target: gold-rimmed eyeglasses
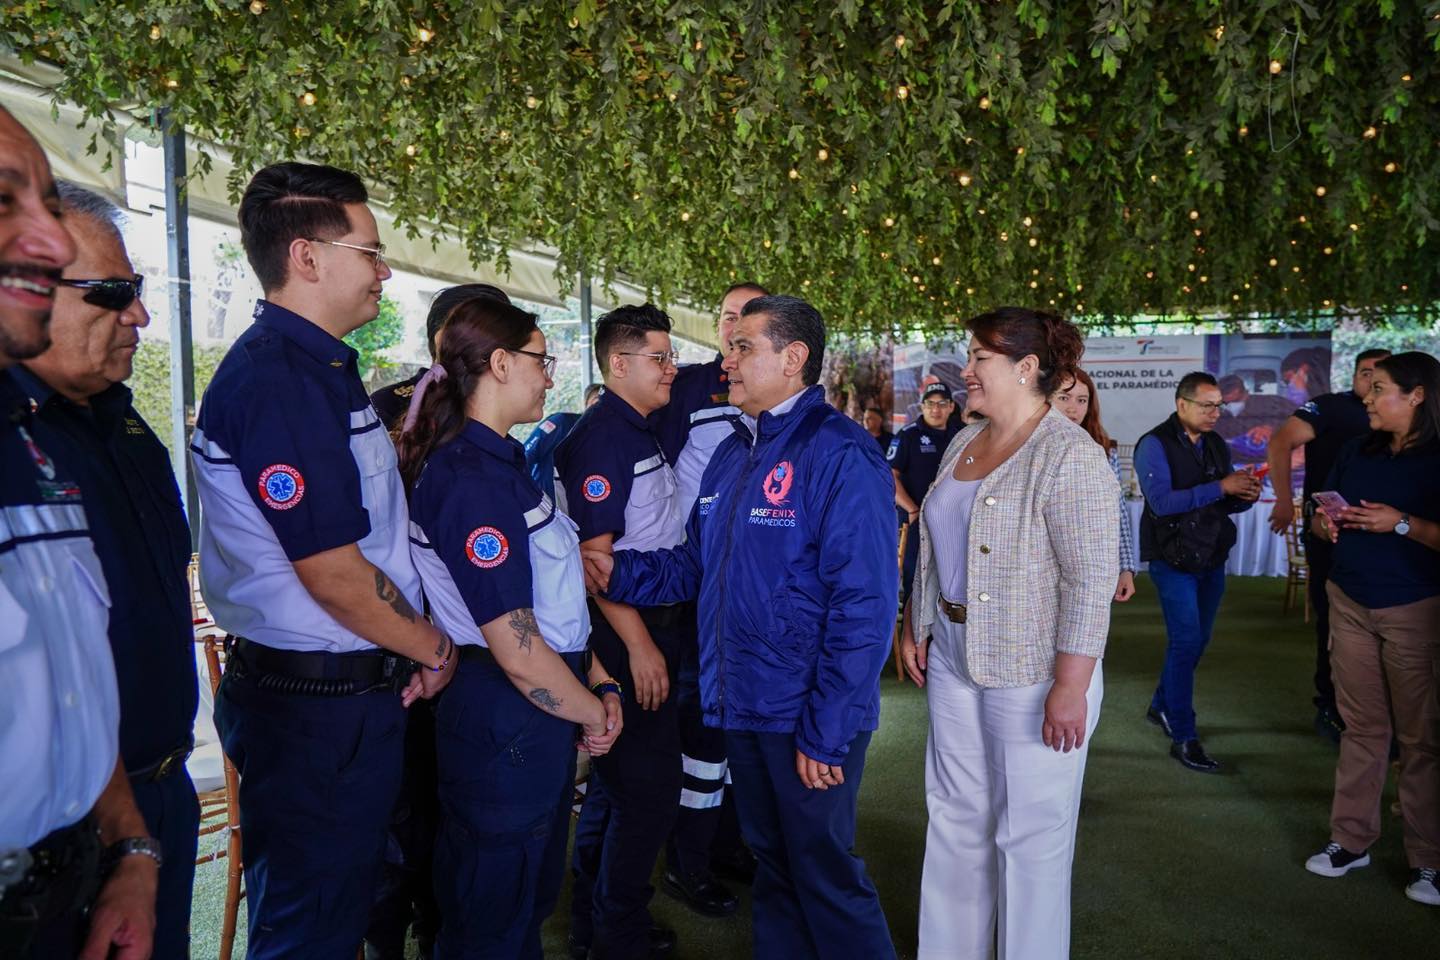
[[661, 359], [376, 253]]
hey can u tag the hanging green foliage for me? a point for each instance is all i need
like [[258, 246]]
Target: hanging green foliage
[[898, 163]]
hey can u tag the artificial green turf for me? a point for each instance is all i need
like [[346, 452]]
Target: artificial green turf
[[1171, 864]]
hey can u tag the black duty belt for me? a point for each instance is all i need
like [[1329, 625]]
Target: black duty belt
[[317, 674], [165, 766], [56, 878]]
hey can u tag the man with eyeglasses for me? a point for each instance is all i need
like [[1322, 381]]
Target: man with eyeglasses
[[1186, 534], [305, 560], [67, 815], [622, 492], [85, 413], [914, 457]]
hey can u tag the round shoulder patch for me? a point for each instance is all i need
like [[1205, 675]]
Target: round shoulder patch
[[281, 486], [596, 488], [486, 547]]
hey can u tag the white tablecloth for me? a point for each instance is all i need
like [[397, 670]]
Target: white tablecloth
[[1257, 552]]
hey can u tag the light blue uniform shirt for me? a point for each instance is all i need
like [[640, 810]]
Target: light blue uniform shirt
[[59, 705]]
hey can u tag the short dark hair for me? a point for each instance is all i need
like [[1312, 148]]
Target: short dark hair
[[450, 298], [875, 409], [289, 201], [790, 319], [626, 327], [76, 200], [1186, 387], [1230, 382], [759, 290], [591, 392], [1379, 353]]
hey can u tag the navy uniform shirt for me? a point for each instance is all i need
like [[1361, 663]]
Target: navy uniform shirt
[[140, 534], [915, 454], [392, 401], [616, 479], [541, 445], [695, 421], [291, 460], [1336, 419], [1381, 568], [486, 542], [59, 709]]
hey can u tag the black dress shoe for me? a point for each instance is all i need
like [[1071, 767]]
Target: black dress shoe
[[662, 945], [1192, 755], [1160, 718], [705, 897], [739, 867]]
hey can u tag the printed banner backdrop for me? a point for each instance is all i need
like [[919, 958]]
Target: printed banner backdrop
[[1263, 379]]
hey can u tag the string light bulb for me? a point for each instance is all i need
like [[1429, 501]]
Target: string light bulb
[[1274, 262], [1391, 167], [935, 261], [410, 150], [899, 40], [685, 216], [308, 99], [1329, 250], [902, 91], [1244, 130], [155, 32], [984, 103], [1276, 66], [1370, 133], [1319, 191], [822, 154], [889, 221], [964, 179], [1027, 221], [532, 102], [1034, 242], [425, 35], [794, 174], [1194, 214], [256, 7]]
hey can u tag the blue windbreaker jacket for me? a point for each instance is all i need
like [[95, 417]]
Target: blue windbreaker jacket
[[791, 550]]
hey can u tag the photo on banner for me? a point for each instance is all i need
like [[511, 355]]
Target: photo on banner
[[916, 366]]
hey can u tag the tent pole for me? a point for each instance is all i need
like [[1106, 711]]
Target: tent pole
[[182, 352]]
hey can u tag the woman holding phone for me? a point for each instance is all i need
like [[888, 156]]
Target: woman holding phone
[[501, 570], [1379, 508]]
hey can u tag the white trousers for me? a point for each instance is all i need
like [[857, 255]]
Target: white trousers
[[1003, 810]]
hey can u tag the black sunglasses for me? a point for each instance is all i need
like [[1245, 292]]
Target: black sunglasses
[[113, 293]]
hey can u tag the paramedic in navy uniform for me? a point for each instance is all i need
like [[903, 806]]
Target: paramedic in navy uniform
[[695, 421], [393, 400], [914, 457], [84, 413], [305, 556], [64, 793], [546, 438], [501, 570], [791, 550], [621, 492]]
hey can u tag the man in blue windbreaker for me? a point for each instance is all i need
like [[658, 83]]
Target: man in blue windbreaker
[[790, 549]]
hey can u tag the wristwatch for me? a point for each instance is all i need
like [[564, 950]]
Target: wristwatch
[[1403, 527], [135, 846]]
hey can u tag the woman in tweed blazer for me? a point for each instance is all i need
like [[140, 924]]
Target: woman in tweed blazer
[[1006, 625]]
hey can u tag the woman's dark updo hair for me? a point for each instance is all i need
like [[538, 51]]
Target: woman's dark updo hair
[[1016, 332], [471, 334], [1410, 370]]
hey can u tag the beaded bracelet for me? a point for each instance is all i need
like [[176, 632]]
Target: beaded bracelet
[[608, 685], [445, 660]]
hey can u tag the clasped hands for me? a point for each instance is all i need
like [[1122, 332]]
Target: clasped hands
[[599, 564]]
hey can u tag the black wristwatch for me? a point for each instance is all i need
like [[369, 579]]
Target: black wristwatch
[[133, 847]]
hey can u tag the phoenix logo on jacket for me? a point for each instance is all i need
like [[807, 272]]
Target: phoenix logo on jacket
[[777, 484]]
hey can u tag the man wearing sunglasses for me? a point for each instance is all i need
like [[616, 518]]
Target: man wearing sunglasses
[[62, 793], [305, 559], [621, 491], [84, 411]]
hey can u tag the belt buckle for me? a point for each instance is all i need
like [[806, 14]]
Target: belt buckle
[[166, 766], [14, 865]]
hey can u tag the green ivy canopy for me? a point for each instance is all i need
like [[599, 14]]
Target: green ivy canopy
[[899, 164]]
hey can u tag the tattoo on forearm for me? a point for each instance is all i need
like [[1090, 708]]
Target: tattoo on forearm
[[546, 699], [522, 621], [391, 594]]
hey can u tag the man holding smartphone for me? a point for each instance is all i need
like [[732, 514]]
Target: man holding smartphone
[[1186, 534]]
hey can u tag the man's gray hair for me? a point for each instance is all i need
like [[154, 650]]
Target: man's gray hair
[[76, 200]]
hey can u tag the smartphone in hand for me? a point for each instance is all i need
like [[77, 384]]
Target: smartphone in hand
[[1331, 504]]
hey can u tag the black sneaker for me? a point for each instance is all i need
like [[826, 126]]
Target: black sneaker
[[1423, 886], [1193, 756], [1336, 861], [1160, 718]]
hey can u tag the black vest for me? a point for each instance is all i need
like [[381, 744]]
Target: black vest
[[1201, 539]]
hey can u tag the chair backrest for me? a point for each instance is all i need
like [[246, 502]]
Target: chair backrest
[[1295, 538], [900, 554], [215, 658]]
